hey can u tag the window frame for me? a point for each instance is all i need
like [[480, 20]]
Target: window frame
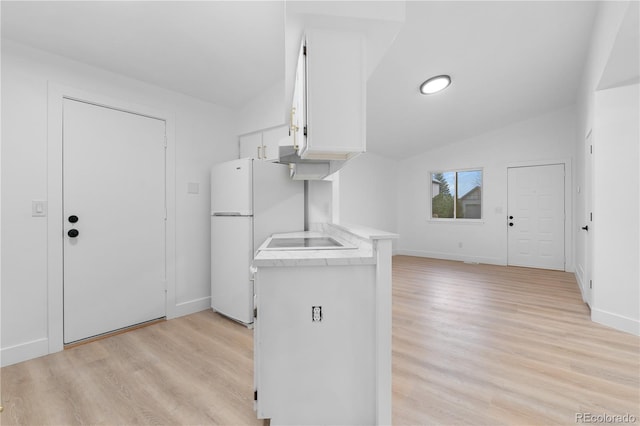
[[454, 219]]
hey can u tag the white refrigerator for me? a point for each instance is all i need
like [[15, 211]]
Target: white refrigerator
[[250, 201]]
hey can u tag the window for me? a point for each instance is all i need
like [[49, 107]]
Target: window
[[456, 194]]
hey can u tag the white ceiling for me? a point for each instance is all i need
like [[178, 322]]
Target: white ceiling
[[509, 60], [222, 52]]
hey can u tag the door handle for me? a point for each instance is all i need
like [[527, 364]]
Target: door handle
[[73, 233], [586, 228]]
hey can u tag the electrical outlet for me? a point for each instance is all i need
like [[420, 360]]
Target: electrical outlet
[[316, 313]]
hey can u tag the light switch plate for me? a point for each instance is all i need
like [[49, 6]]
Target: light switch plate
[[38, 208], [193, 188]]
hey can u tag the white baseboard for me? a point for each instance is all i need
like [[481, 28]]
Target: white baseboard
[[191, 307], [24, 351], [451, 256], [579, 274], [40, 347], [619, 322]]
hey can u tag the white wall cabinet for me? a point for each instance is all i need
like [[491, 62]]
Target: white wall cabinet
[[251, 146], [264, 145], [271, 141], [330, 95]]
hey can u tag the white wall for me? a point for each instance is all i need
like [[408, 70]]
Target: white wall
[[548, 138], [609, 17], [616, 273], [610, 304], [204, 134], [368, 192], [264, 111]]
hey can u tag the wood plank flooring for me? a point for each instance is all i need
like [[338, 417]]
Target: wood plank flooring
[[472, 344]]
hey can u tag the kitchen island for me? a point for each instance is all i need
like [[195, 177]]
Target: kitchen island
[[322, 336]]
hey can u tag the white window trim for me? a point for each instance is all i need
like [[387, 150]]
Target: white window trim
[[453, 220]]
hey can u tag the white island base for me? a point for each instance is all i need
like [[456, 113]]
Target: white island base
[[323, 332]]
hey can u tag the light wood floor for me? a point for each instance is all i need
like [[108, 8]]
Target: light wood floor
[[472, 344]]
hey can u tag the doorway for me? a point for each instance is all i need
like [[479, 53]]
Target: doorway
[[536, 216], [114, 212]]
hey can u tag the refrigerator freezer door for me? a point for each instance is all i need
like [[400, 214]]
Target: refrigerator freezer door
[[278, 202], [231, 255], [231, 187]]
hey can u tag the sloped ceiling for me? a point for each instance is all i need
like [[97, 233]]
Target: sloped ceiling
[[223, 52], [623, 66], [508, 60]]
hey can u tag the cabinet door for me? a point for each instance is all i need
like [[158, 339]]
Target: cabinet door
[[336, 91], [298, 115], [271, 141], [251, 146]]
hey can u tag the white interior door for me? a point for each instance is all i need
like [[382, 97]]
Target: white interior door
[[587, 226], [114, 184], [536, 216]]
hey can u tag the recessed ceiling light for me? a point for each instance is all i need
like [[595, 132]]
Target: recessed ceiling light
[[435, 84]]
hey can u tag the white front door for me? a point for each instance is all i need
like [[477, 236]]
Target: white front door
[[114, 219], [536, 216]]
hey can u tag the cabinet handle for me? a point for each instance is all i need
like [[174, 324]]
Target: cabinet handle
[[294, 128], [264, 152], [258, 152]]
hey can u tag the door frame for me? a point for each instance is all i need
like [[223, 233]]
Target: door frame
[[55, 272], [568, 205], [587, 273]]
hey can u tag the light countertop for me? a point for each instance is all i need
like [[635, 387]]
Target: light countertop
[[357, 254], [361, 241]]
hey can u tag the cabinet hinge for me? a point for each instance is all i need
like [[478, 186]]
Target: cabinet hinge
[[255, 395], [255, 313], [590, 284], [305, 130], [304, 50], [590, 149], [591, 217]]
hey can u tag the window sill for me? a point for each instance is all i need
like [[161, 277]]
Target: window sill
[[457, 221]]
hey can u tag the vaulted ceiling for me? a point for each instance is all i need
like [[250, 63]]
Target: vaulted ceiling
[[508, 60], [219, 51]]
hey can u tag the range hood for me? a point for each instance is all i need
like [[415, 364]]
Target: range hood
[[303, 169]]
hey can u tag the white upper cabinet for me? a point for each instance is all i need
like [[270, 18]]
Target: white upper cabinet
[[271, 141], [251, 146], [330, 95], [264, 145]]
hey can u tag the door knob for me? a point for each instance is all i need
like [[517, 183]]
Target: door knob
[[586, 227], [510, 217], [73, 218], [510, 223], [73, 233]]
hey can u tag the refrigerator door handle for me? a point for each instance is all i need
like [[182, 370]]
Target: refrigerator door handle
[[226, 214]]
